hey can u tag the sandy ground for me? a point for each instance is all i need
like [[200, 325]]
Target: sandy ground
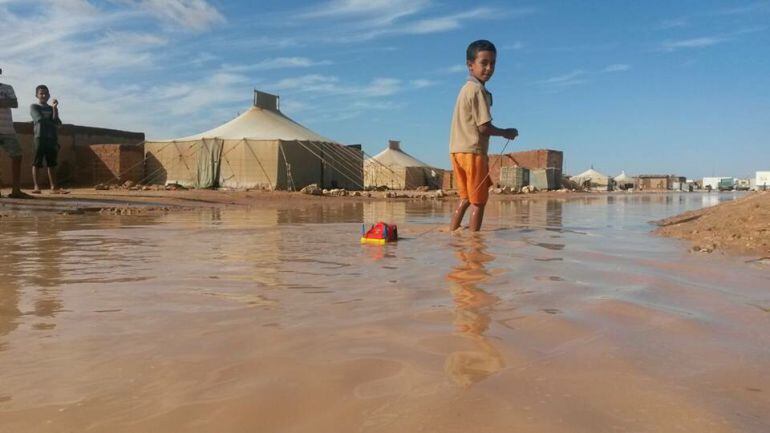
[[741, 226]]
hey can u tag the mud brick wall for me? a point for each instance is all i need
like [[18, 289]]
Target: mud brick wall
[[531, 159], [448, 180], [72, 139], [109, 163]]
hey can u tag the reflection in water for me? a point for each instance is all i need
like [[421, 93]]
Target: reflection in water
[[472, 313], [531, 213], [323, 213], [31, 261], [9, 286]]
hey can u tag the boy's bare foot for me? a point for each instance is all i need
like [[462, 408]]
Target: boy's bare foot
[[35, 191], [19, 194]]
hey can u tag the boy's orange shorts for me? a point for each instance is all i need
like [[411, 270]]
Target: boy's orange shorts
[[472, 176]]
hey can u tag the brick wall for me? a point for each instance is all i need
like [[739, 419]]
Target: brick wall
[[72, 138], [109, 163], [531, 159], [448, 180], [653, 183]]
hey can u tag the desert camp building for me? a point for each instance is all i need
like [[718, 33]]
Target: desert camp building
[[660, 182], [87, 155], [548, 162], [395, 169], [261, 148]]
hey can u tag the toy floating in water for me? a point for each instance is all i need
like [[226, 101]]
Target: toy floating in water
[[380, 234]]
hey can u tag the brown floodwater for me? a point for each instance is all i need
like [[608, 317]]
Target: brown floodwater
[[561, 316]]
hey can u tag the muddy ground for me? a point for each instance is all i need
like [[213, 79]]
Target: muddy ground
[[741, 226]]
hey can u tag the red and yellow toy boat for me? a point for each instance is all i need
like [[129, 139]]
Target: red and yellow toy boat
[[380, 234]]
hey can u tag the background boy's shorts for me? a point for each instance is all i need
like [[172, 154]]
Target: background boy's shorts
[[46, 151], [472, 176], [10, 144]]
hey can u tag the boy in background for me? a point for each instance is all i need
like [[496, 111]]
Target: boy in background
[[469, 136], [8, 140], [46, 120]]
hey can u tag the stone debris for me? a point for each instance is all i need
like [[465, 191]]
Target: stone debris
[[175, 187], [312, 189], [337, 192]]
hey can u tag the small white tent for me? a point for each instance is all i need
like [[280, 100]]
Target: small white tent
[[396, 169], [593, 179], [624, 181], [261, 148]]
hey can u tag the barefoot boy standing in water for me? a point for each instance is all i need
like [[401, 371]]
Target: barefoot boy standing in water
[[46, 120], [469, 136]]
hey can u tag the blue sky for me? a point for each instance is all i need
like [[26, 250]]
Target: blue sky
[[646, 87]]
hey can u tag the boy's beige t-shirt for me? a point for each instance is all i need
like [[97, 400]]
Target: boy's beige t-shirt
[[473, 109]]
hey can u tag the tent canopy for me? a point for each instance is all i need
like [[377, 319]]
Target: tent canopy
[[394, 156], [263, 121], [623, 178], [593, 177]]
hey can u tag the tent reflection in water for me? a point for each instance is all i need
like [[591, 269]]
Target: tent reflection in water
[[261, 148]]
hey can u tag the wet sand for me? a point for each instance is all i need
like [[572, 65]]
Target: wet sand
[[741, 226], [561, 316]]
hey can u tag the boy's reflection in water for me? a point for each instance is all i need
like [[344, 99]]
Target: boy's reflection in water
[[472, 308]]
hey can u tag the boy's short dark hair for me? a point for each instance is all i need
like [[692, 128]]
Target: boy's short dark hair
[[41, 87], [476, 46]]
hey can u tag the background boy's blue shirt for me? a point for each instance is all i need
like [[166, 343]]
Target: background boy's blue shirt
[[45, 123]]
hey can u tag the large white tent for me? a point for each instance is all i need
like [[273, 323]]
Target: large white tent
[[396, 169], [593, 179], [261, 148]]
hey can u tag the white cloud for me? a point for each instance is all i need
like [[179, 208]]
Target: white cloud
[[279, 63], [454, 69], [755, 7], [618, 67], [570, 79], [673, 23], [444, 23], [360, 20], [701, 42], [196, 15], [373, 12], [518, 45], [331, 85], [422, 83]]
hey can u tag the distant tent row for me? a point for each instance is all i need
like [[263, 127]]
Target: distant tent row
[[395, 169], [261, 148]]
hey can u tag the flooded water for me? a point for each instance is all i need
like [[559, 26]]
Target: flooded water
[[561, 316]]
